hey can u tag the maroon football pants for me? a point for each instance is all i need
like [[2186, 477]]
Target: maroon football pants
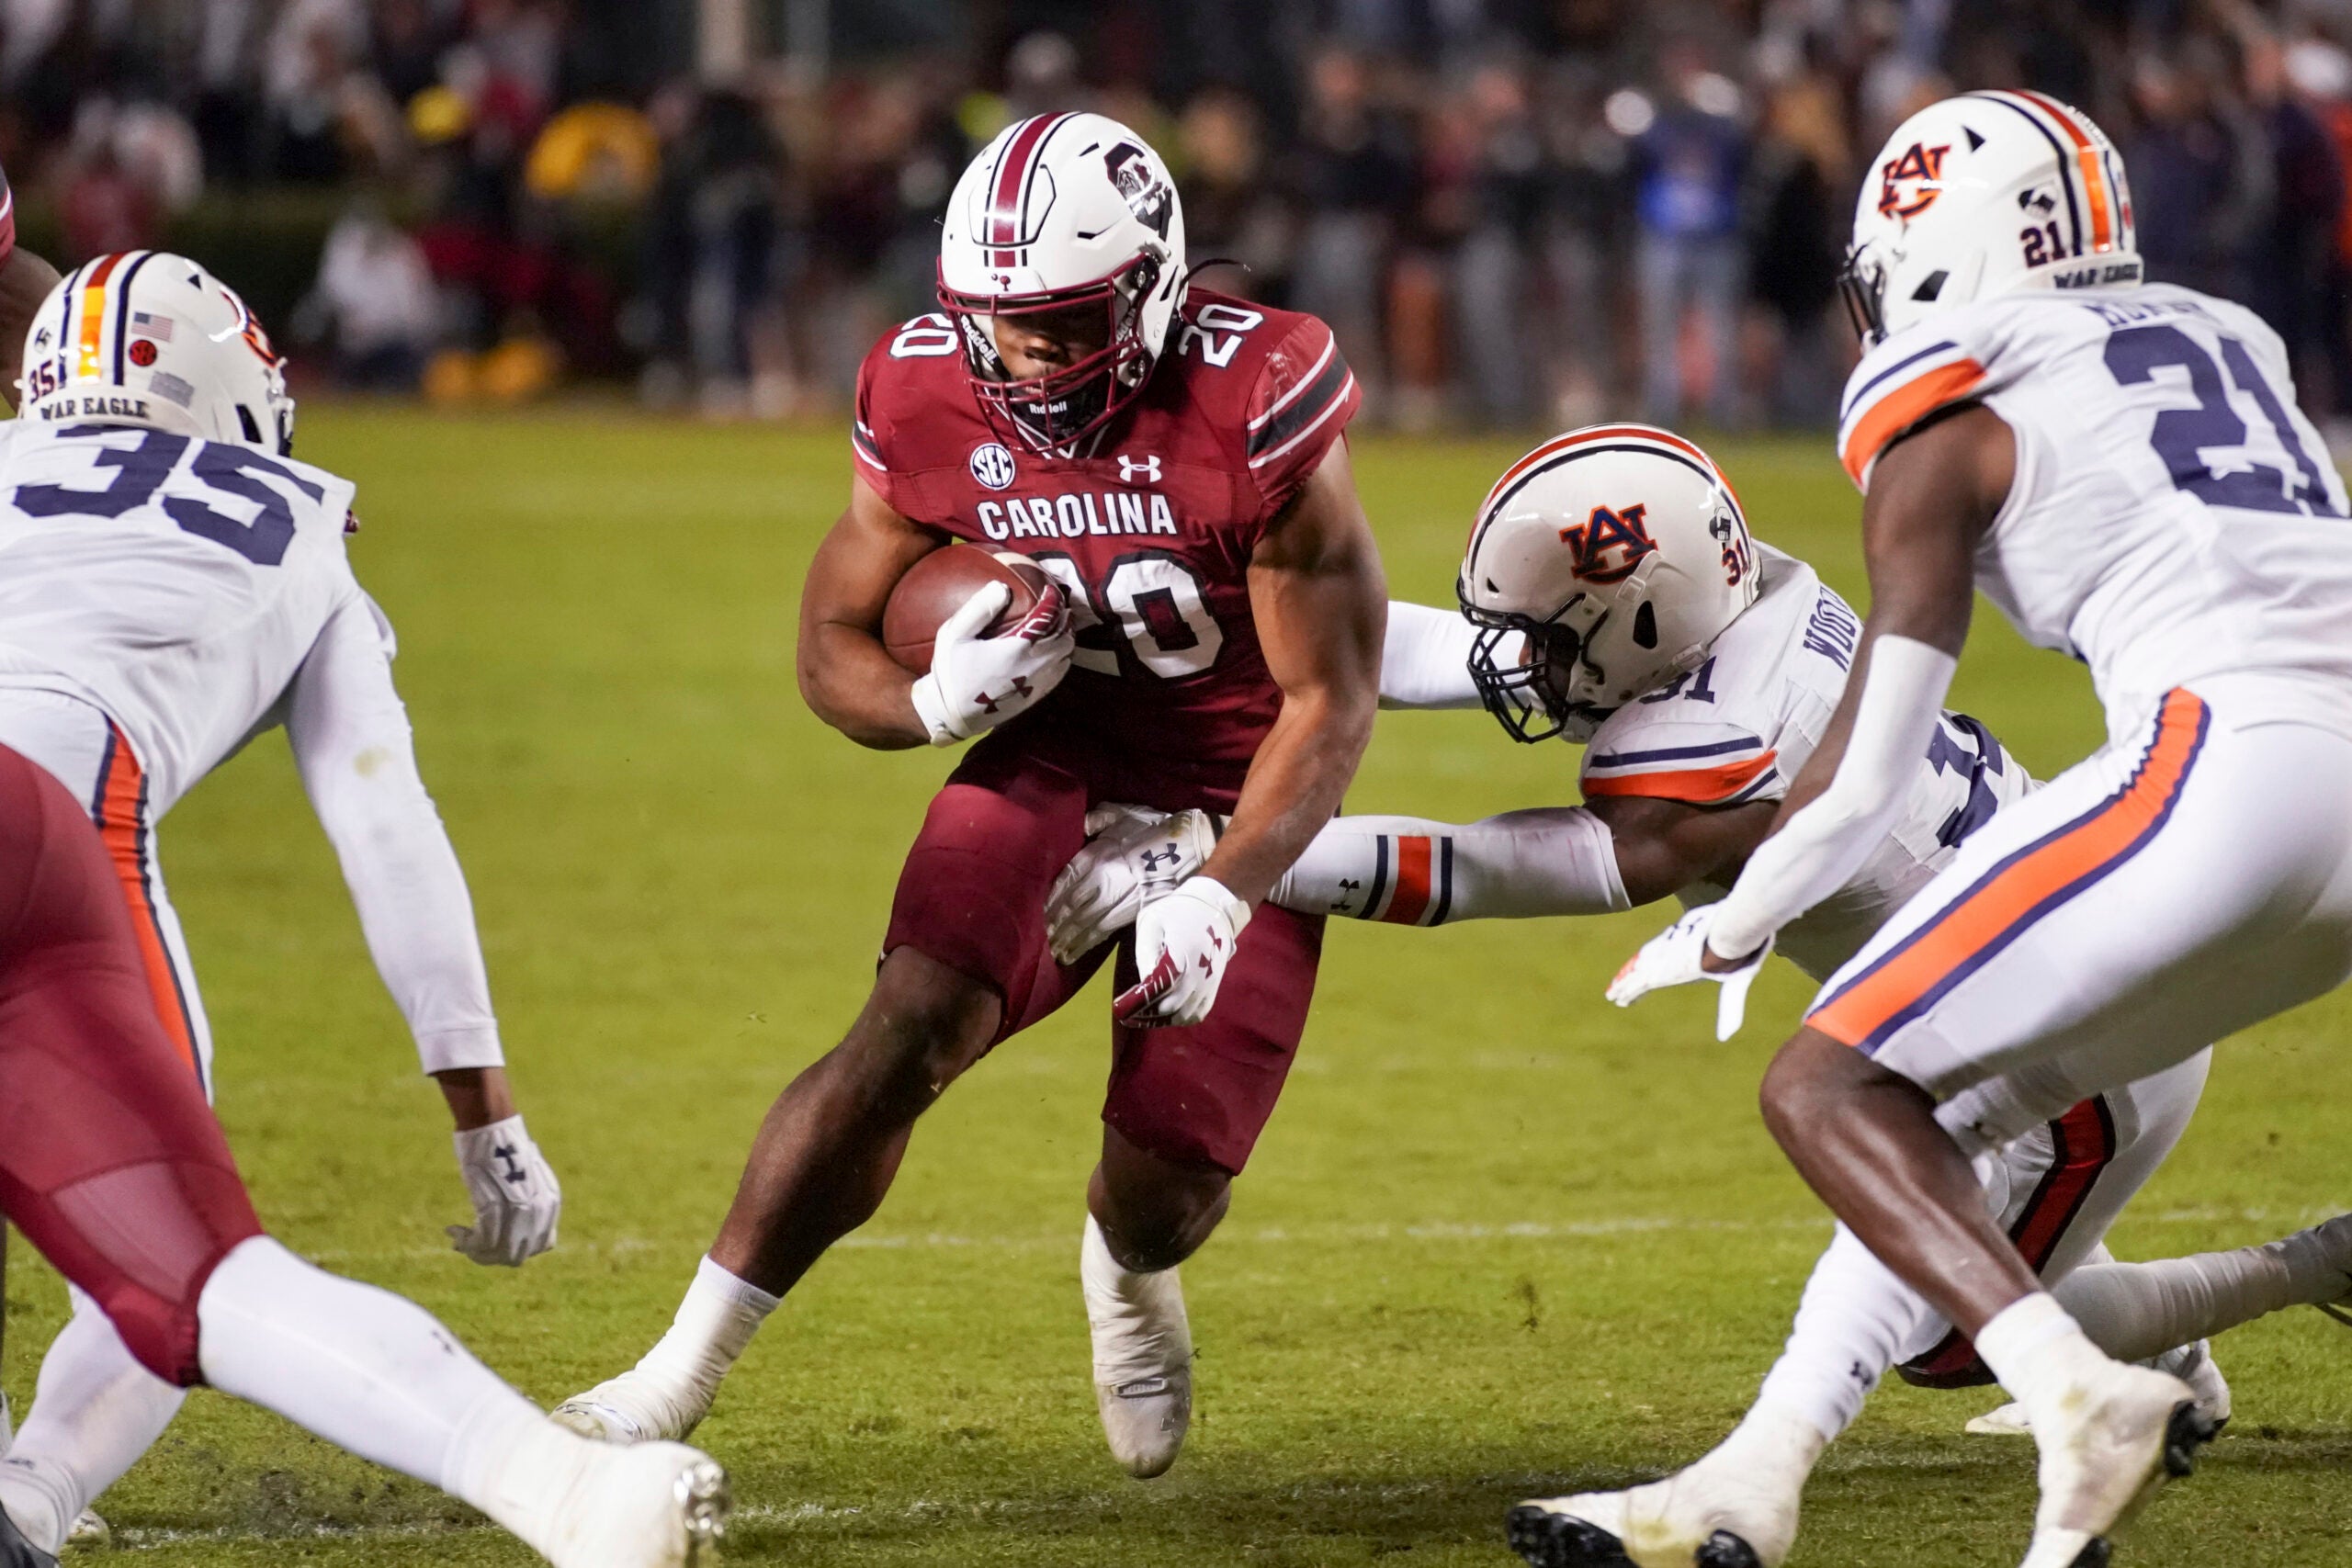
[[972, 896], [110, 1161]]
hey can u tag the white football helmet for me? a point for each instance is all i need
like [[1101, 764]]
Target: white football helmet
[[1982, 195], [1620, 554], [1063, 210], [146, 337]]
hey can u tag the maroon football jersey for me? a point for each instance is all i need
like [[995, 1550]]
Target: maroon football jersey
[[1151, 535]]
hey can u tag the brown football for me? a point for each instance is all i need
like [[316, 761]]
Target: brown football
[[938, 585]]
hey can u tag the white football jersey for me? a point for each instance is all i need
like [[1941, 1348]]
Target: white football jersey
[[1741, 727], [175, 584], [2174, 514]]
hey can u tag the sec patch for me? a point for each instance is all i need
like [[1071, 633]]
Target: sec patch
[[993, 465]]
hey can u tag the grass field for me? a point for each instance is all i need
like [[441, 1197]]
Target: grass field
[[1500, 1240]]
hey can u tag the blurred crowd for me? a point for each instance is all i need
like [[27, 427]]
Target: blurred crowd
[[1514, 212]]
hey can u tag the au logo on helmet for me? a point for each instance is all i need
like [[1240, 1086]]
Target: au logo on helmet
[[1590, 542], [1921, 168]]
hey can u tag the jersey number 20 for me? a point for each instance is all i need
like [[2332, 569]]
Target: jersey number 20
[[1153, 600]]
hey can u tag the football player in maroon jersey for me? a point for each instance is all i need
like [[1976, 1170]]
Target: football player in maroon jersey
[[1171, 457], [25, 281]]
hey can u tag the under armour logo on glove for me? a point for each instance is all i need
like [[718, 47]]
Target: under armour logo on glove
[[1155, 859], [507, 1154], [1186, 938]]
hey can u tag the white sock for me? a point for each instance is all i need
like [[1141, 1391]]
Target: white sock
[[1855, 1315], [1138, 1319], [2133, 1311], [95, 1411], [2037, 1351], [714, 1324], [372, 1372]]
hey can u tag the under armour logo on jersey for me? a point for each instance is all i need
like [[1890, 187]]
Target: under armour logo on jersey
[[1590, 542], [1144, 468], [1919, 167], [511, 1156]]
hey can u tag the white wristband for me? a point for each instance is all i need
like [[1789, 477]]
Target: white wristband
[[930, 706]]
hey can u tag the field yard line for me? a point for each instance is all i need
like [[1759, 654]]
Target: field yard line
[[143, 1538], [1431, 1232]]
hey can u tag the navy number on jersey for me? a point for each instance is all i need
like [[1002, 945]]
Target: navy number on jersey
[[141, 471], [1150, 599], [2182, 437]]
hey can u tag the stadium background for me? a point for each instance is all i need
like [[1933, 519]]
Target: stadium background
[[1500, 1239]]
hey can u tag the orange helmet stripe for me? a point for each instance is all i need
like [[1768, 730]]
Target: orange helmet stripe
[[93, 313], [2089, 163]]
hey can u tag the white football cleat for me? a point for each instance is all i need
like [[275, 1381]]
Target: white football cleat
[[2193, 1364], [647, 1506], [1143, 1358], [2107, 1443], [89, 1533], [631, 1408]]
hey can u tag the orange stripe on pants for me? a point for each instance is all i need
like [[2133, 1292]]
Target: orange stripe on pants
[[2019, 891], [121, 819]]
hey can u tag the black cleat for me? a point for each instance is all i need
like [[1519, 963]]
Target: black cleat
[[2186, 1432], [2095, 1555], [1725, 1550], [15, 1552], [1547, 1539]]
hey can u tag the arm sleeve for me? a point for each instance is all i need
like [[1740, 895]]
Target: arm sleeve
[[1303, 398], [1425, 663], [1820, 848], [352, 744], [1557, 861]]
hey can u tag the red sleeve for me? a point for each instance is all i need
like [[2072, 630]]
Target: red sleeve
[[1303, 399], [870, 423], [7, 221]]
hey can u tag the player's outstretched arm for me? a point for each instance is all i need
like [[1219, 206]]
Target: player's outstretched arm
[[25, 281], [846, 676], [358, 759]]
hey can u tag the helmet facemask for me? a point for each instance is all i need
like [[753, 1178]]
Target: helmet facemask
[[1057, 411], [1862, 283], [1533, 693]]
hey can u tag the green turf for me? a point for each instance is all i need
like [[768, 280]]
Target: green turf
[[1499, 1239]]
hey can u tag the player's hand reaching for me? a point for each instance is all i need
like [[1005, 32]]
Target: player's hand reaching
[[1183, 943], [977, 681], [1133, 855], [517, 1197], [1679, 956]]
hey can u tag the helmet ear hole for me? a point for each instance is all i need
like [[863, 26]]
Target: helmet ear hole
[[251, 425], [1646, 626], [1932, 287]]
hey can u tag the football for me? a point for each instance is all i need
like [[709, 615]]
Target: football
[[939, 584]]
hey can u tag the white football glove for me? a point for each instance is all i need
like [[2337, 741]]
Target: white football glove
[[978, 682], [1183, 943], [517, 1197], [1134, 856], [1671, 958]]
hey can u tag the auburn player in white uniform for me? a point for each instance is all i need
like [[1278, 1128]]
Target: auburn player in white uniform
[[2122, 468], [170, 583], [1693, 729]]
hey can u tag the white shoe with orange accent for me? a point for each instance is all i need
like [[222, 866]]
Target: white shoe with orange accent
[[1143, 1358], [2108, 1441]]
